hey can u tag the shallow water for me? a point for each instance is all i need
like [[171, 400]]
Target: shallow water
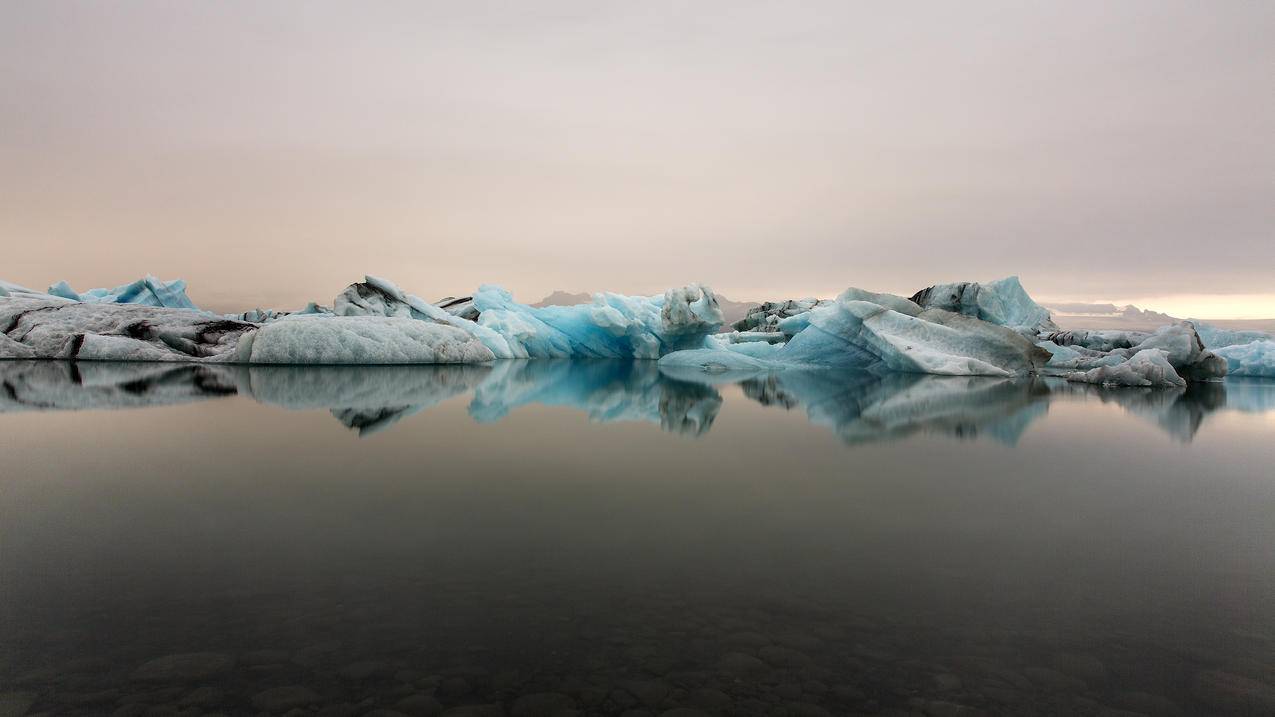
[[547, 536]]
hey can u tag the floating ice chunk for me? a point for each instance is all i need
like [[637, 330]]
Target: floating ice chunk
[[1003, 302], [1256, 358], [381, 297], [55, 328], [612, 326], [1088, 350], [359, 340], [147, 291], [878, 331], [1148, 367]]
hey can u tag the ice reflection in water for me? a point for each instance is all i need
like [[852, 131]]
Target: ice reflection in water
[[524, 539], [858, 407]]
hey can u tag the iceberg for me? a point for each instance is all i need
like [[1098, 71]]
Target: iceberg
[[361, 340], [961, 329], [882, 332], [1088, 351], [147, 291], [1148, 367], [60, 329], [56, 329], [1003, 302], [612, 326], [1256, 358]]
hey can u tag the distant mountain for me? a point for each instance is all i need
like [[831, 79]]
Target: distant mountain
[[564, 298], [732, 311], [1075, 315], [1110, 316]]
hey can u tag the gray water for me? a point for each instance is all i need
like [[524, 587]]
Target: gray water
[[596, 538]]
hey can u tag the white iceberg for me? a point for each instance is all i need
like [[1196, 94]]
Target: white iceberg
[[1148, 367], [59, 329], [1087, 351], [362, 340], [55, 329]]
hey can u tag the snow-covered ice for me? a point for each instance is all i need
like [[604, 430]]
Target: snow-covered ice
[[41, 328], [361, 340]]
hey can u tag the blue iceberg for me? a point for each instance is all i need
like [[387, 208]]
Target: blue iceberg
[[882, 332], [147, 291]]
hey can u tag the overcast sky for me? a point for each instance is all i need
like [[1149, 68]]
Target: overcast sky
[[272, 153]]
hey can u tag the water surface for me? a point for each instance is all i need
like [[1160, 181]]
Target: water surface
[[537, 537]]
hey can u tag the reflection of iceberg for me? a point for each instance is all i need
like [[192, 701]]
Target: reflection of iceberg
[[606, 390], [366, 398], [867, 408], [1253, 395], [1178, 412], [63, 385], [857, 406]]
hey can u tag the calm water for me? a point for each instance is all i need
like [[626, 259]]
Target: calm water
[[595, 538]]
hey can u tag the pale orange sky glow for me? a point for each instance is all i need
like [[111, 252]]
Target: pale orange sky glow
[[272, 153]]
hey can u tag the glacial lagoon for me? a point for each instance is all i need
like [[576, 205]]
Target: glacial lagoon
[[600, 538]]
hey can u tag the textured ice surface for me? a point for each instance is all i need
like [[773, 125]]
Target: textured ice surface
[[1256, 358], [1148, 367], [1086, 351], [765, 317], [147, 291], [878, 332], [1003, 302], [359, 340], [55, 328], [612, 326], [44, 328]]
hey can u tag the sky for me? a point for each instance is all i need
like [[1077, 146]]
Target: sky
[[271, 153]]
